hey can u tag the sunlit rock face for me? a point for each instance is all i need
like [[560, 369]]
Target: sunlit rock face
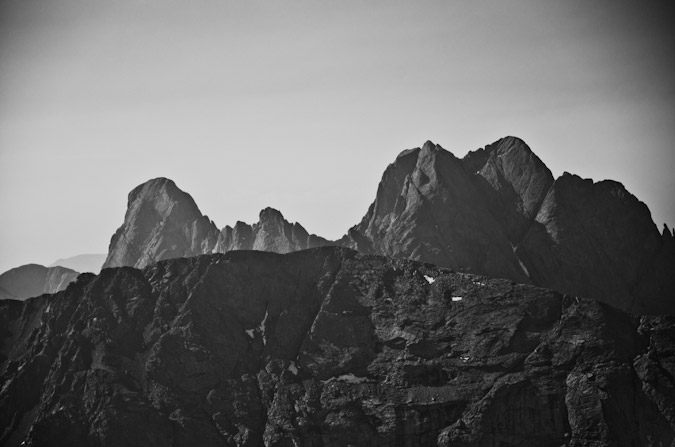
[[161, 222], [271, 233], [328, 347]]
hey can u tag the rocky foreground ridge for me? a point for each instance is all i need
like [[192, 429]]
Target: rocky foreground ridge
[[328, 347], [497, 212]]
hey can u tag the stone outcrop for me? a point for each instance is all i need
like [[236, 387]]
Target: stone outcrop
[[33, 280], [328, 347], [161, 222]]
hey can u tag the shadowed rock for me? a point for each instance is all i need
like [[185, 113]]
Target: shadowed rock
[[328, 347]]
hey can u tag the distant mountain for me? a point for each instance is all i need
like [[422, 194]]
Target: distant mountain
[[498, 212], [161, 222], [328, 347], [82, 263], [32, 280], [164, 222], [271, 233]]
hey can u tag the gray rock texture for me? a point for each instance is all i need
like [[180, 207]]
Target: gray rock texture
[[328, 347], [499, 212], [161, 222], [32, 280], [496, 212], [271, 233]]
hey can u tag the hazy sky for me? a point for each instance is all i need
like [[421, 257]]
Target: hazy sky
[[301, 105]]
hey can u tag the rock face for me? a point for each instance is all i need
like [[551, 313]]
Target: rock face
[[271, 233], [328, 347], [499, 212], [33, 280], [427, 208], [161, 222], [496, 212], [598, 240]]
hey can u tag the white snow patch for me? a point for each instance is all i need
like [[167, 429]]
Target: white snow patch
[[456, 298], [479, 283], [261, 328], [249, 332], [429, 279], [293, 368], [350, 378], [465, 358]]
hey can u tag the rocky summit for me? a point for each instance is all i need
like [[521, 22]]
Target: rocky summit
[[161, 222], [271, 233], [497, 212], [328, 347]]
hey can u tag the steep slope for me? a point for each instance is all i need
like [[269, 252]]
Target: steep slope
[[427, 208], [33, 280], [328, 347], [598, 240], [513, 181], [271, 233], [499, 212], [161, 222], [82, 263]]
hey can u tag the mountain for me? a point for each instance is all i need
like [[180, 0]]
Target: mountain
[[82, 263], [161, 222], [33, 280], [271, 233], [328, 347], [498, 212], [427, 208]]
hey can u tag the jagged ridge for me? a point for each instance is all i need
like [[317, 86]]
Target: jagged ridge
[[498, 211], [328, 347]]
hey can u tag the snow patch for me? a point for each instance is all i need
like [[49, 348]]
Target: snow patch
[[261, 328], [350, 378], [456, 298], [249, 332], [347, 378], [293, 368], [429, 279]]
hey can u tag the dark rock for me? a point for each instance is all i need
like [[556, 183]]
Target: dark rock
[[328, 347], [598, 240], [33, 280], [427, 208], [496, 212]]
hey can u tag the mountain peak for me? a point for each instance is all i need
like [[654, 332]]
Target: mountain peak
[[161, 222], [270, 213]]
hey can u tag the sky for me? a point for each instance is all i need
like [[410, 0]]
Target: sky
[[301, 105]]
